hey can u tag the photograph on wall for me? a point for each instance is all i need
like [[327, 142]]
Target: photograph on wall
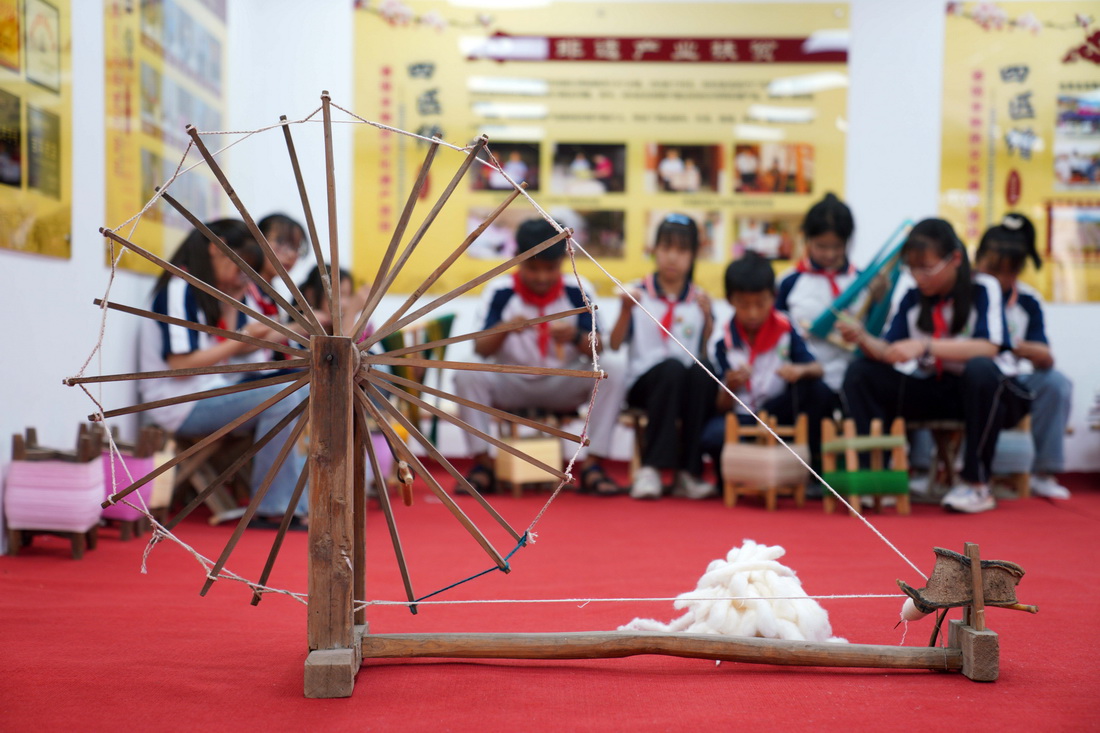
[[11, 141], [10, 35], [1077, 142], [519, 161], [710, 223], [1074, 250], [43, 44], [588, 169], [773, 235], [44, 151], [773, 168], [600, 232], [675, 168]]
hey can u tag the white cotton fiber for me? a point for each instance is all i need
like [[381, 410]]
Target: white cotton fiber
[[772, 603]]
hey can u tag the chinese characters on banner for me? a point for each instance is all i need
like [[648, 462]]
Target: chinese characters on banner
[[35, 127], [612, 115], [165, 69], [1021, 132]]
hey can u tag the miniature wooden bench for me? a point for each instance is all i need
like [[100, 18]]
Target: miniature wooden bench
[[764, 468], [851, 481]]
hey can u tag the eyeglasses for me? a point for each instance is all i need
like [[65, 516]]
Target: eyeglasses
[[924, 273], [286, 244]]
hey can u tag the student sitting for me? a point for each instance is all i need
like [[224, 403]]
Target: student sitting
[[763, 359], [536, 288], [662, 379], [164, 346], [936, 358], [1002, 253], [821, 275]]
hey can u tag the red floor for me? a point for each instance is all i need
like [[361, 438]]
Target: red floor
[[97, 645]]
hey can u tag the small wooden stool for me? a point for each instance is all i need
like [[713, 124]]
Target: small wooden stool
[[1014, 456], [947, 435], [853, 483], [518, 473], [53, 492], [764, 468], [137, 460], [203, 468]]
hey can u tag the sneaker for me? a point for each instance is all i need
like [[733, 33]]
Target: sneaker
[[691, 487], [969, 498], [647, 484], [920, 484], [1048, 488]]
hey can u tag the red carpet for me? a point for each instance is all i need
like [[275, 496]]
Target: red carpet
[[95, 645]]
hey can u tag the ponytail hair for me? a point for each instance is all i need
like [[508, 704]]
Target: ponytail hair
[[938, 236], [1011, 242], [830, 214]]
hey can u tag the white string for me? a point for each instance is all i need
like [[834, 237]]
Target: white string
[[586, 601]]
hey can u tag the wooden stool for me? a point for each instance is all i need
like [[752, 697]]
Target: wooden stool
[[518, 473], [947, 435], [1014, 456], [637, 420], [53, 492], [764, 468], [200, 470], [853, 483], [137, 460]]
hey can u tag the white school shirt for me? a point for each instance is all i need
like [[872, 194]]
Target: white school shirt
[[156, 341], [730, 351], [1024, 321], [986, 321], [649, 345], [804, 296], [500, 302]]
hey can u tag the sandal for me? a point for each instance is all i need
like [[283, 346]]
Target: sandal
[[594, 480], [482, 478]]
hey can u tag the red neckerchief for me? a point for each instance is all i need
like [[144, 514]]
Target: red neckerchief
[[540, 302], [650, 285], [807, 265], [940, 328], [767, 337], [266, 305]]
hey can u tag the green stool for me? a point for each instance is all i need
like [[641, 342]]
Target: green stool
[[878, 481]]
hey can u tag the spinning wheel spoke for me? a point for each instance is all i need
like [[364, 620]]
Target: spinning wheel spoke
[[413, 399], [257, 497], [231, 389], [451, 259], [379, 334], [499, 328], [222, 431], [470, 366], [244, 267], [333, 229], [423, 472], [213, 330], [257, 366], [280, 534], [261, 240], [395, 240], [196, 282], [238, 464], [384, 501], [497, 413], [315, 242]]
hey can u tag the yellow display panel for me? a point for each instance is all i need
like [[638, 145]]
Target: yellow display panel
[[35, 127], [614, 114], [165, 69], [1021, 132]]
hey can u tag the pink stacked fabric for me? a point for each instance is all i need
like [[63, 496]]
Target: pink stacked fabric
[[54, 495], [138, 467]]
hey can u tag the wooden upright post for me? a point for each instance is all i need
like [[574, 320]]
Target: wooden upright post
[[334, 656]]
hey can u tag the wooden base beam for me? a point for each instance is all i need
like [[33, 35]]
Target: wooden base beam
[[603, 645]]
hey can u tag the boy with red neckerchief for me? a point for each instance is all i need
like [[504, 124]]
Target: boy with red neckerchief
[[763, 359], [536, 288]]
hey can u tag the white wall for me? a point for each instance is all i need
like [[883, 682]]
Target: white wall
[[283, 53]]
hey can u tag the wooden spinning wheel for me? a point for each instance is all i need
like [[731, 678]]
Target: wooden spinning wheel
[[351, 390]]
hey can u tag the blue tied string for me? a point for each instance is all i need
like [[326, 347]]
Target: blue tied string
[[506, 568]]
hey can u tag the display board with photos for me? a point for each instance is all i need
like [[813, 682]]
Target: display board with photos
[[614, 115], [1021, 131], [35, 127], [165, 69]]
